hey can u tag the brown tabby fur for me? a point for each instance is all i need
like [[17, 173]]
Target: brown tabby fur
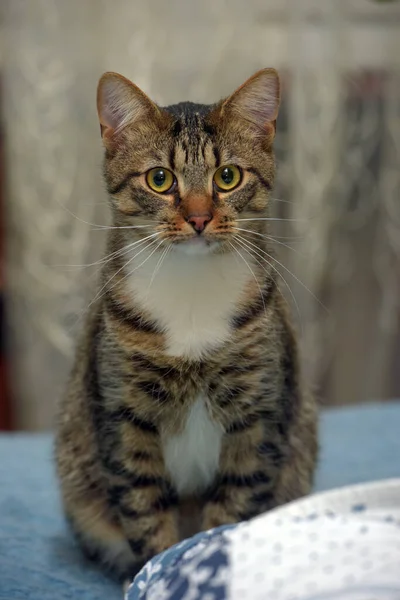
[[128, 391]]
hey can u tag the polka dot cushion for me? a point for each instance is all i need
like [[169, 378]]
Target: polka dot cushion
[[343, 544]]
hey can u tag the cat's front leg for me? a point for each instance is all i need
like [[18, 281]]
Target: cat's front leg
[[247, 478], [239, 499], [148, 533], [141, 490]]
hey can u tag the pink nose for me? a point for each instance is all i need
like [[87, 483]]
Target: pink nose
[[199, 222]]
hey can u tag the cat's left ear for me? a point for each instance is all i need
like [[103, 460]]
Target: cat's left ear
[[120, 103], [257, 100]]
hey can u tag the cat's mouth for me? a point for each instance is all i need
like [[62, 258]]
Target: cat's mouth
[[197, 245], [198, 241], [191, 240]]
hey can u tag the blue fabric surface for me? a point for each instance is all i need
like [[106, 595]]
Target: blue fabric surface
[[39, 560], [359, 444]]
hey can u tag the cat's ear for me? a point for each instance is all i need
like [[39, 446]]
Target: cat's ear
[[257, 100], [119, 103]]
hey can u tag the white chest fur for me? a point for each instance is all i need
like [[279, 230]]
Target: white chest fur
[[192, 456], [192, 297]]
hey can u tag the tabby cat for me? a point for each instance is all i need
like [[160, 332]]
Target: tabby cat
[[185, 409]]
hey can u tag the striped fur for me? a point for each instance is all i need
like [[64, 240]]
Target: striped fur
[[185, 408]]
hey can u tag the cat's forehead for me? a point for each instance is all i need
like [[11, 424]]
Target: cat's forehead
[[192, 135], [189, 111], [191, 120]]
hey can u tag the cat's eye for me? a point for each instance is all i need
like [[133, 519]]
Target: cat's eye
[[227, 178], [160, 180]]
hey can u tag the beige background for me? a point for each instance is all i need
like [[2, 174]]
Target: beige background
[[338, 146]]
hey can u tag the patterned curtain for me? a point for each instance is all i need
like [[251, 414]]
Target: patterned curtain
[[338, 147]]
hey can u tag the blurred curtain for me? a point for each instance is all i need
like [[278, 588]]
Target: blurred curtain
[[338, 147]]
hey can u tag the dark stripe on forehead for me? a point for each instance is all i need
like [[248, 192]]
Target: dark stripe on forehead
[[261, 179], [203, 148], [208, 129], [177, 128], [193, 138], [191, 132], [172, 157], [198, 150], [217, 156], [185, 148]]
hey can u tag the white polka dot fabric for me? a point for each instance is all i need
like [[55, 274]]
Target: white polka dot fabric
[[343, 544], [338, 545]]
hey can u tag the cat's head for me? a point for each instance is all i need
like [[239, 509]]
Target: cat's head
[[188, 171]]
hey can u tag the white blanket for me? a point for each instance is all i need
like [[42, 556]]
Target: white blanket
[[337, 545]]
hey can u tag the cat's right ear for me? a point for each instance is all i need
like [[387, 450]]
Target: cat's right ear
[[120, 103], [256, 101]]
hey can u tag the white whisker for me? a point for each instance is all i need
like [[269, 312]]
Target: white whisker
[[103, 227], [97, 226], [242, 242], [252, 272], [114, 254], [159, 263], [290, 273], [280, 200], [122, 252], [99, 293], [83, 220], [292, 238], [145, 260], [273, 219], [267, 237], [128, 262]]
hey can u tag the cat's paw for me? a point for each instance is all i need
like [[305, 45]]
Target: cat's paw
[[125, 587]]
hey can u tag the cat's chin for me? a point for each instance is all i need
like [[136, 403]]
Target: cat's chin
[[197, 246]]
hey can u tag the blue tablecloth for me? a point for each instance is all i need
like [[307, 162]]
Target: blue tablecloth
[[38, 558]]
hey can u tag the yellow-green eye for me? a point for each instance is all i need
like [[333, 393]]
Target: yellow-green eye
[[160, 180], [227, 178]]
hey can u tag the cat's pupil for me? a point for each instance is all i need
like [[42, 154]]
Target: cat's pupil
[[159, 178], [227, 175]]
